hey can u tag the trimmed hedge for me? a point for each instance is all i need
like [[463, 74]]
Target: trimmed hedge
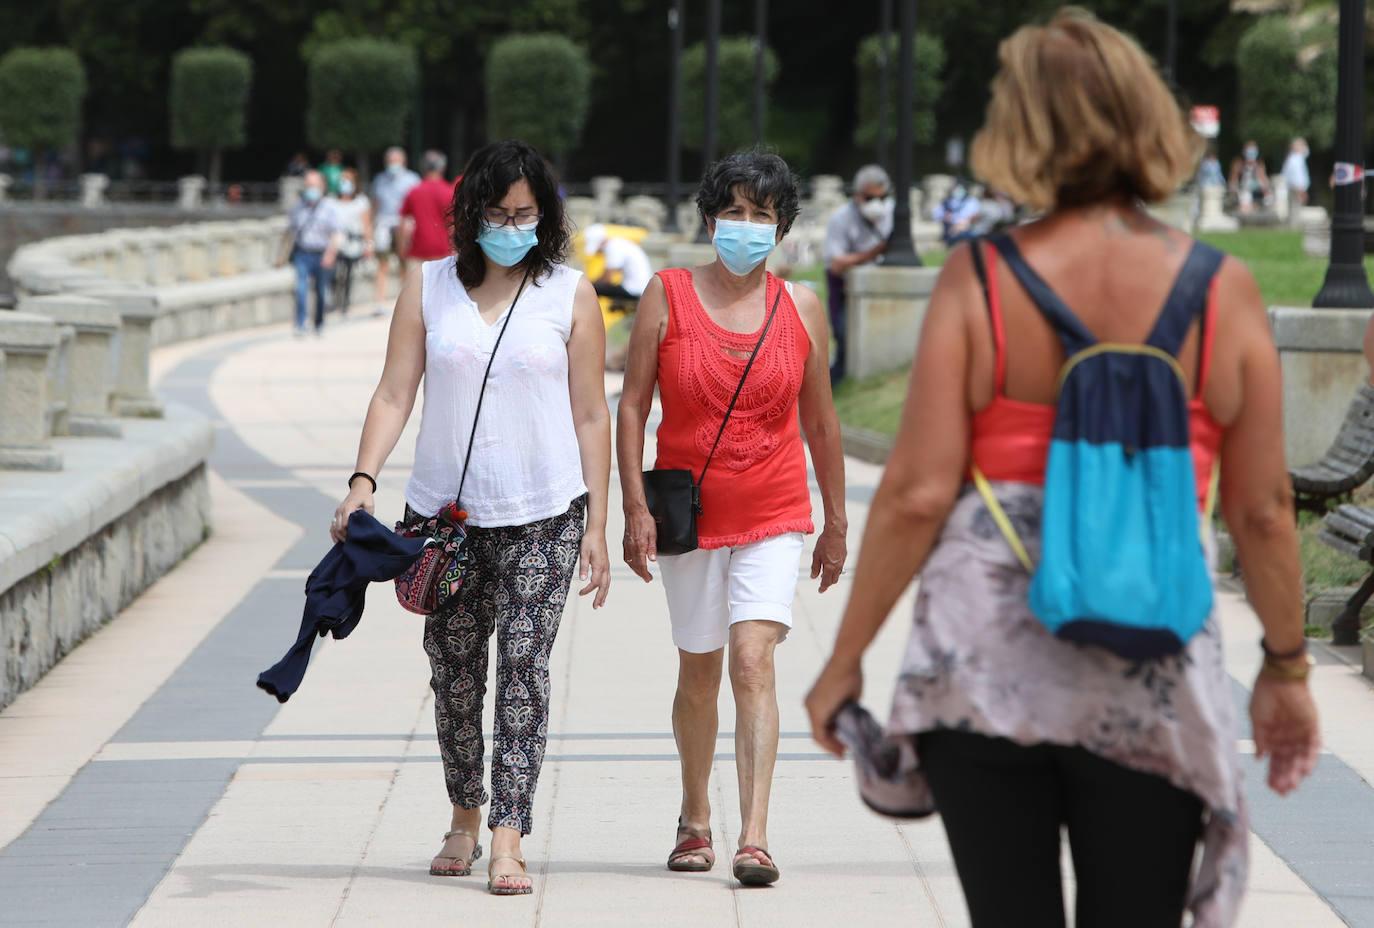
[[361, 92], [208, 96], [735, 102], [928, 60], [41, 90], [538, 90]]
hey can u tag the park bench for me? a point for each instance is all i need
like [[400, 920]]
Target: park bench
[[1346, 465], [1349, 529]]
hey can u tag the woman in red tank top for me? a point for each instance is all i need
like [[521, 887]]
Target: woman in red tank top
[[1011, 733], [693, 335]]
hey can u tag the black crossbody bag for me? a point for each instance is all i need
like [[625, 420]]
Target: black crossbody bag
[[673, 496]]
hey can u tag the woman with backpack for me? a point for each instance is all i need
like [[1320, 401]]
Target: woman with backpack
[[1085, 374]]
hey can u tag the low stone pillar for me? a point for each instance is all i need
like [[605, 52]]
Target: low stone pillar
[[1320, 352], [5, 181], [1316, 231], [648, 212], [1211, 215], [657, 245], [688, 219], [138, 309], [39, 278], [1281, 198], [691, 254], [158, 256], [886, 306], [606, 192], [93, 189], [190, 251], [27, 393], [937, 187], [94, 359], [827, 185], [190, 191], [289, 191]]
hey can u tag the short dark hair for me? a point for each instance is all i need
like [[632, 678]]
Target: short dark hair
[[488, 176], [762, 176]]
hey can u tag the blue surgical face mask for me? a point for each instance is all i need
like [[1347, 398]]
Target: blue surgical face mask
[[395, 168], [743, 246], [311, 194], [346, 187], [1251, 154], [507, 246]]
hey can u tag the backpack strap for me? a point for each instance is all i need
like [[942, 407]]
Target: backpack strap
[[987, 278], [1187, 299], [1071, 331]]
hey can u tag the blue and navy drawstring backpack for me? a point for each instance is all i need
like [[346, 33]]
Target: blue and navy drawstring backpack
[[1121, 558]]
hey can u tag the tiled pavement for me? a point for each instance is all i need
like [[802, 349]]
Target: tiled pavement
[[147, 781]]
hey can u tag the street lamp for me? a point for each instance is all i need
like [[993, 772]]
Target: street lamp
[[1346, 285], [674, 113], [884, 67], [760, 28], [901, 251], [1171, 45], [708, 142]]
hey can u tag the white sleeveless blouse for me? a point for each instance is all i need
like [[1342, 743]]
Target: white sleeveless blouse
[[525, 462]]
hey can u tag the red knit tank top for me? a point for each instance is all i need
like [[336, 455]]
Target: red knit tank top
[[756, 487]]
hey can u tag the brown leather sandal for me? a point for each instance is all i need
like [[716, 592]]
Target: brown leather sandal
[[691, 843], [466, 862]]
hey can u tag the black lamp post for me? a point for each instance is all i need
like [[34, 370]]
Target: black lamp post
[[1171, 45], [901, 251], [760, 37], [884, 68], [674, 113], [1346, 285], [708, 141]]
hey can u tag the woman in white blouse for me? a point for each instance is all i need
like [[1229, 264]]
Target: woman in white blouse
[[539, 469]]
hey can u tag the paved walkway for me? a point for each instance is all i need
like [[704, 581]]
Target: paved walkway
[[147, 781]]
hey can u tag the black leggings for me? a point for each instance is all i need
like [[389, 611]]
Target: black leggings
[[1132, 835]]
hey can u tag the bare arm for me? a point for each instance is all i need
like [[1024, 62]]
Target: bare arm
[[1257, 501], [592, 421], [842, 263], [821, 426], [636, 398], [918, 488], [391, 403]]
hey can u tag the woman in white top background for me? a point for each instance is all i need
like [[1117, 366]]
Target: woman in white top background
[[540, 465]]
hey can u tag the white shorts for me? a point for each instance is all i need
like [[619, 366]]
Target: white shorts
[[708, 591], [381, 235]]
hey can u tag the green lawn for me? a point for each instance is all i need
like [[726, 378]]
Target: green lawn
[[1286, 277]]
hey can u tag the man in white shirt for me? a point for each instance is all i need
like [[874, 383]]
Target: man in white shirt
[[1295, 172], [621, 255], [389, 190]]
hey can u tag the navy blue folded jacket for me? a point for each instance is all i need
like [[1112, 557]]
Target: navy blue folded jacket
[[334, 593]]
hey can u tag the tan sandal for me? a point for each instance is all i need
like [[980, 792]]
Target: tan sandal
[[466, 862], [506, 889], [754, 866], [692, 842]]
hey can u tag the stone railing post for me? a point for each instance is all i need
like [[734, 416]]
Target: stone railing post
[[886, 306], [606, 192], [94, 358], [289, 191], [190, 191], [27, 393], [5, 181], [138, 309], [93, 189]]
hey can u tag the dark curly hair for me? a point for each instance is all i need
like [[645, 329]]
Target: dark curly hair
[[762, 176], [489, 174]]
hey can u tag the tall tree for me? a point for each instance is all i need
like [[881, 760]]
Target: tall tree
[[1281, 96], [207, 98], [927, 63], [360, 95], [40, 101], [537, 90]]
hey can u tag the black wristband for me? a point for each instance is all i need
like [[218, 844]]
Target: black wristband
[[361, 474], [1297, 652]]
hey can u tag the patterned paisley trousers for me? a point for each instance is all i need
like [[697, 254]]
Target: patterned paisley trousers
[[517, 586]]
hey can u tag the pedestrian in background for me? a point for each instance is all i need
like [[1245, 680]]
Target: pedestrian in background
[[1295, 174], [535, 488], [1017, 732], [389, 190], [355, 223], [1249, 180], [695, 332], [311, 244], [332, 169], [855, 234], [424, 213]]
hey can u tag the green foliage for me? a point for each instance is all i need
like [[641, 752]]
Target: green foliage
[[40, 97], [361, 91], [735, 102], [1279, 96], [207, 98], [538, 90], [928, 60]]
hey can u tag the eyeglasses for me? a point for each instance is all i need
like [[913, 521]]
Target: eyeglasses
[[498, 217], [865, 197]]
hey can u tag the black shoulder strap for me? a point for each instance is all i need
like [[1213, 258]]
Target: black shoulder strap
[[1071, 331], [1187, 299], [472, 436], [731, 408]]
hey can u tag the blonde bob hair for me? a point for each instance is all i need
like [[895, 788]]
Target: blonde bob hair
[[1078, 115]]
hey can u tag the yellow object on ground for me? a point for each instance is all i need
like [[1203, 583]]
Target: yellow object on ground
[[595, 265]]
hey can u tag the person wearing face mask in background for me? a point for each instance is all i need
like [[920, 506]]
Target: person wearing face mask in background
[[534, 489], [855, 234], [424, 220], [1295, 173], [1249, 181], [311, 243], [389, 189], [355, 221], [956, 213], [694, 332]]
